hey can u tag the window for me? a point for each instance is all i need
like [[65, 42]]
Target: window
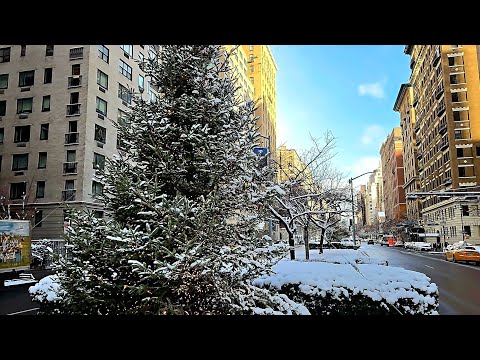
[[141, 57], [251, 47], [69, 184], [48, 76], [40, 189], [1, 162], [101, 106], [461, 172], [151, 53], [251, 57], [4, 55], [125, 69], [103, 53], [140, 82], [98, 161], [467, 230], [97, 188], [102, 79], [124, 94], [24, 105], [44, 131], [75, 69], [459, 152], [71, 155], [20, 162], [26, 78], [3, 107], [455, 97], [465, 211], [451, 61], [42, 160], [38, 217], [251, 68], [23, 50], [100, 134], [49, 50], [22, 134], [478, 150], [2, 135], [46, 103], [74, 97], [17, 190], [128, 49], [4, 81], [73, 126]]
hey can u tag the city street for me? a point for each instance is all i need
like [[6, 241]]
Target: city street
[[15, 300], [458, 283]]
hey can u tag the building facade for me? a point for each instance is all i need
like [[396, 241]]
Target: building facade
[[239, 62], [374, 206], [404, 105], [445, 82], [393, 179], [361, 215], [262, 70], [58, 105], [291, 167]]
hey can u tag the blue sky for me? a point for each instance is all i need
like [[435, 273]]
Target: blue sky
[[349, 90]]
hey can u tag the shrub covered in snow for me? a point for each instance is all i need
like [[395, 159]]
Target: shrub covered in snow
[[347, 289], [47, 292]]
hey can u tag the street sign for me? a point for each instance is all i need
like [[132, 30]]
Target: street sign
[[260, 151]]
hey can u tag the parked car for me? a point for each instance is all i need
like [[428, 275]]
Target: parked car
[[370, 242], [399, 243], [466, 253], [423, 246]]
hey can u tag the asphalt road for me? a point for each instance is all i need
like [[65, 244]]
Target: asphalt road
[[458, 283], [15, 300]]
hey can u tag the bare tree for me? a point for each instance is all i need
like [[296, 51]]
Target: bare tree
[[314, 193]]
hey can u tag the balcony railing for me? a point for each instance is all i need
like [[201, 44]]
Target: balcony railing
[[71, 138], [436, 56], [68, 195], [439, 91], [73, 109], [417, 126], [444, 145], [447, 181], [440, 108], [443, 127], [70, 167], [74, 81], [76, 53]]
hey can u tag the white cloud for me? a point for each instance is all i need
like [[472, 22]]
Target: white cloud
[[364, 164], [375, 89], [372, 133]]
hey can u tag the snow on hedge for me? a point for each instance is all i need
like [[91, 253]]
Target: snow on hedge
[[47, 289], [317, 280]]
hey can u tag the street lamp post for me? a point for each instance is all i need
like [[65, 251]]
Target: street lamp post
[[353, 204]]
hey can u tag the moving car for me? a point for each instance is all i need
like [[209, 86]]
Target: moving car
[[466, 253], [423, 246]]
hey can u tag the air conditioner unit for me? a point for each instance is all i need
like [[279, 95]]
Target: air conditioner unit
[[2, 92], [76, 76], [21, 144], [18, 173], [23, 115], [100, 145], [100, 117], [24, 89]]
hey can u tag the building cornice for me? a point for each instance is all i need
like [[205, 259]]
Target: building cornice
[[408, 49], [401, 94]]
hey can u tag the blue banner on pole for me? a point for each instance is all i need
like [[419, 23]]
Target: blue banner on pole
[[260, 151]]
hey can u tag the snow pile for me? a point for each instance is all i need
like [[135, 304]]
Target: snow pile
[[328, 288], [46, 290]]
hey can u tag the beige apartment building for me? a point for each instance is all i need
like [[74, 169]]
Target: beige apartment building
[[58, 105], [238, 60], [446, 100], [393, 180], [291, 166], [374, 206], [262, 70], [404, 105]]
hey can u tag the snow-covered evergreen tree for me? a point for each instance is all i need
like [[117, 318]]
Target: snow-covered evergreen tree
[[185, 199]]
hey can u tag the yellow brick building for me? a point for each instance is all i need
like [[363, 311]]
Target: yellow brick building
[[239, 63], [290, 165], [262, 72]]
